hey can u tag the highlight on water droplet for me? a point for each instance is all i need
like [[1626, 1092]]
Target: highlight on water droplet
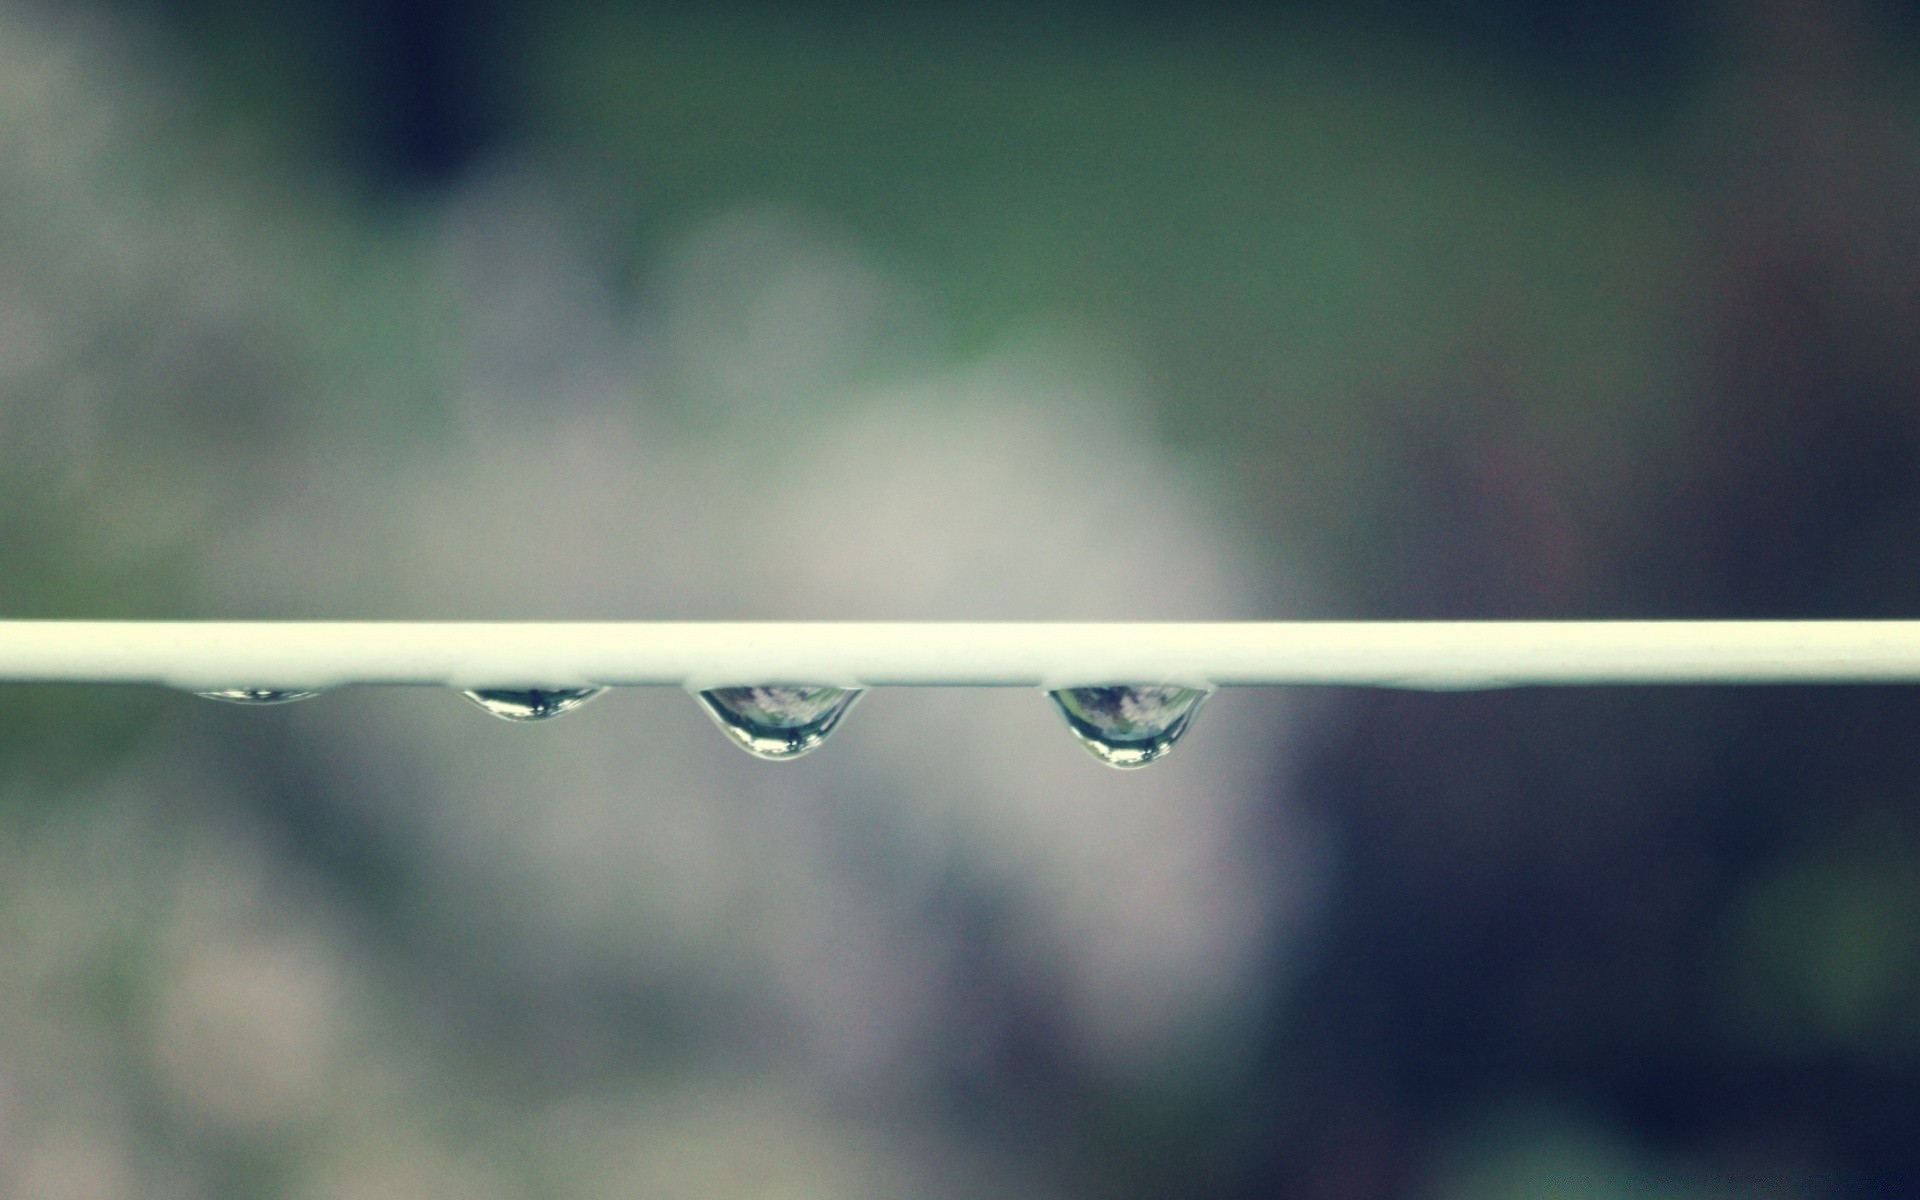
[[256, 695], [530, 704], [1128, 725], [779, 721]]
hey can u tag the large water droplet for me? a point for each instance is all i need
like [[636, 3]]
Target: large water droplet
[[240, 695], [1128, 726], [530, 704], [778, 721]]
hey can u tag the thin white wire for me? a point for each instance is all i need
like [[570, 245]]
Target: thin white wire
[[201, 656]]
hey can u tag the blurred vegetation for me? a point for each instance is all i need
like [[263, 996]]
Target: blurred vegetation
[[1294, 224]]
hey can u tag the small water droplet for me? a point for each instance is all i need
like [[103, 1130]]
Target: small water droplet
[[779, 721], [239, 695], [1128, 726], [530, 704]]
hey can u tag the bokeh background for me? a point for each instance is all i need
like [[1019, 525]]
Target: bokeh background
[[1093, 309]]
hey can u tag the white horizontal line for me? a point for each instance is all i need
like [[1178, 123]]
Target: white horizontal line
[[200, 656]]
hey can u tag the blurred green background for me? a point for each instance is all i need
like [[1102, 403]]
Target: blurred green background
[[427, 309]]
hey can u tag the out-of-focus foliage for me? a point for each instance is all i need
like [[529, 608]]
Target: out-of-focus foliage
[[1297, 233], [626, 311]]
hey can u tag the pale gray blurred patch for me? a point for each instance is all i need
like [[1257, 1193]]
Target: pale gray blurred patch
[[152, 349], [627, 837]]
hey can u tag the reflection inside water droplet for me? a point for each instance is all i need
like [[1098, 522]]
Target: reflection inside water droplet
[[530, 704], [779, 721], [1126, 726], [258, 695]]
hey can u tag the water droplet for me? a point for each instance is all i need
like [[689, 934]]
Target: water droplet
[[259, 695], [779, 721], [1128, 726], [530, 704]]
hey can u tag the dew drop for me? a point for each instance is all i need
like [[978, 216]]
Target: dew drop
[[530, 704], [1128, 726], [238, 695], [779, 721]]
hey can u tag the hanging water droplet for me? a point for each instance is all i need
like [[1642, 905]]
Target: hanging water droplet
[[1127, 726], [239, 695], [530, 704], [778, 721]]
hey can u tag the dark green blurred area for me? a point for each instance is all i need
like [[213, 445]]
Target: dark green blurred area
[[1470, 311]]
